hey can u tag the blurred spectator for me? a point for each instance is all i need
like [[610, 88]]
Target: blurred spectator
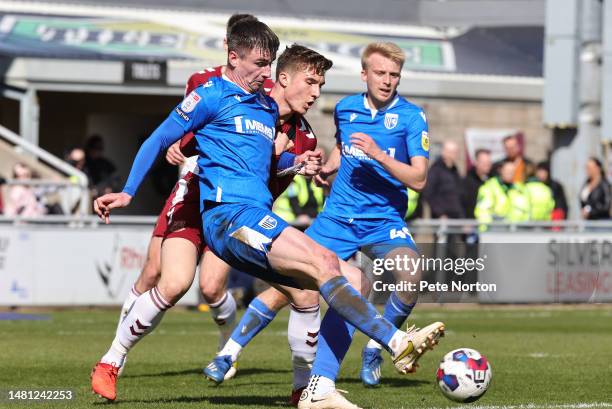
[[76, 157], [543, 174], [2, 182], [501, 199], [541, 201], [21, 199], [300, 202], [443, 189], [71, 196], [474, 178], [513, 150], [595, 195], [101, 171]]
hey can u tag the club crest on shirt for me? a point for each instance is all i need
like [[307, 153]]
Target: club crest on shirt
[[268, 222], [391, 120], [190, 102]]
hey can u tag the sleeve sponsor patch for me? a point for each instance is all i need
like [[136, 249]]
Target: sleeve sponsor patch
[[190, 102], [425, 141]]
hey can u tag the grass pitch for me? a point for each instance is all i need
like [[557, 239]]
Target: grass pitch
[[542, 357]]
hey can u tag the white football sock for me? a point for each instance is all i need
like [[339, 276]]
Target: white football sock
[[224, 314], [303, 335], [395, 343], [319, 386], [373, 344], [231, 348], [144, 316], [133, 294]]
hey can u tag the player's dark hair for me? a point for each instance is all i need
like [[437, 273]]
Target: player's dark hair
[[247, 35], [297, 58], [234, 18]]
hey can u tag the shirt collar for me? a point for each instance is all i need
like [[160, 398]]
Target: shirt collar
[[374, 111]]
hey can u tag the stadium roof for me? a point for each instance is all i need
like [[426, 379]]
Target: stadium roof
[[38, 41], [416, 12]]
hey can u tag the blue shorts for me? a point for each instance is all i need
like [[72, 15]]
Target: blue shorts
[[346, 236], [241, 235]]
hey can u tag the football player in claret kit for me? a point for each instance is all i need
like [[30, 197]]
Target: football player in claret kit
[[382, 148], [293, 96]]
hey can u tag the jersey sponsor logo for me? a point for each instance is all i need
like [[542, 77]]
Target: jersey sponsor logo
[[181, 114], [425, 140], [268, 222], [253, 126], [189, 103], [350, 150], [391, 120], [352, 117]]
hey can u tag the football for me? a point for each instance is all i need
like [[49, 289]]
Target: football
[[464, 375]]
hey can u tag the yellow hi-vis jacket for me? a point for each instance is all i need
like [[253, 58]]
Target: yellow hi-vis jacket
[[541, 199], [297, 189], [500, 202]]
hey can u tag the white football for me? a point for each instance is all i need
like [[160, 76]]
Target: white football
[[464, 375]]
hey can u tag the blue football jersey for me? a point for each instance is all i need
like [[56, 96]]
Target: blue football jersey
[[235, 133], [363, 188]]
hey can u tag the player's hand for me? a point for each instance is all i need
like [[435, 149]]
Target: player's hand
[[104, 204], [174, 156], [367, 145], [322, 178], [313, 161], [282, 143]]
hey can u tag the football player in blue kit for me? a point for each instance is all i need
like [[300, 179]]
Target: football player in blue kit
[[234, 125], [382, 148]]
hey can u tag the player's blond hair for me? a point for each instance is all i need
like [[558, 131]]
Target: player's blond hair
[[387, 50]]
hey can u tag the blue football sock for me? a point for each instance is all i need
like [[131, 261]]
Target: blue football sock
[[356, 310], [256, 318], [396, 311], [335, 339]]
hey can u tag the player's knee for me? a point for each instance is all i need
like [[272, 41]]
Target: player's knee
[[327, 265], [172, 291], [305, 299], [211, 291], [150, 273]]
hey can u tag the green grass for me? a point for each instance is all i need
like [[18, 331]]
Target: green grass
[[541, 356]]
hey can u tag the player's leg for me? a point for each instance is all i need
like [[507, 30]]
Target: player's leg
[[242, 233], [260, 312], [178, 263], [399, 304], [148, 278], [214, 274], [303, 336]]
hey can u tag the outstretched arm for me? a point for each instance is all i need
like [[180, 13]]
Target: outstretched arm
[[164, 136]]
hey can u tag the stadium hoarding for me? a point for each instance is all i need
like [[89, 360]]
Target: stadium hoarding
[[51, 267], [547, 267]]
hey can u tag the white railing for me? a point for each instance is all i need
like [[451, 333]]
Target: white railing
[[23, 146]]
